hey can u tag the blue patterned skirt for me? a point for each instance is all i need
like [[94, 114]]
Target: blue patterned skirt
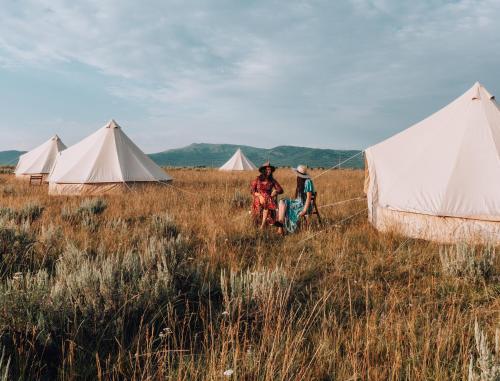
[[293, 208]]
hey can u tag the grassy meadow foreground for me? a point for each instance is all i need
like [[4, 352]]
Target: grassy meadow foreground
[[160, 283]]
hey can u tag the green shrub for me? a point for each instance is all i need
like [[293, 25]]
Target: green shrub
[[50, 245], [16, 246], [487, 367], [92, 206], [98, 286], [96, 299], [6, 212], [90, 222], [162, 225], [118, 224], [467, 261], [252, 287], [86, 215], [8, 190], [29, 212]]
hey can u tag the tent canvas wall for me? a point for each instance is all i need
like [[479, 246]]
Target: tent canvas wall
[[440, 179], [238, 162], [40, 160], [106, 161]]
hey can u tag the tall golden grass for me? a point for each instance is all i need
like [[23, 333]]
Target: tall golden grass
[[174, 282]]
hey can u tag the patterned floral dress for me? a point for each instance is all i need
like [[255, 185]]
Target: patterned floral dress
[[295, 206], [265, 187]]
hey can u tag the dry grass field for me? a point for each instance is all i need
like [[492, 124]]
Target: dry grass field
[[160, 283]]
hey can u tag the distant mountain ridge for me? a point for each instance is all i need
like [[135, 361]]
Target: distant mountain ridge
[[10, 157], [214, 155]]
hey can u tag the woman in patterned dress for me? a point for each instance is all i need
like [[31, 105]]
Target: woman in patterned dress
[[264, 190], [291, 210]]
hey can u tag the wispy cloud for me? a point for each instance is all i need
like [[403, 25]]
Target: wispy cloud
[[321, 73]]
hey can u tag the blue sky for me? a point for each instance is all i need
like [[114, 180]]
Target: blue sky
[[330, 74]]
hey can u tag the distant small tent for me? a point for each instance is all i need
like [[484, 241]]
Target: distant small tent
[[440, 179], [238, 162], [105, 162], [40, 160]]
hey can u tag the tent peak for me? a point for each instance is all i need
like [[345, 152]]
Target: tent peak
[[238, 162], [112, 124], [480, 92]]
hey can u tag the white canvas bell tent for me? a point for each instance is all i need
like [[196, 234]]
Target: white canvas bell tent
[[105, 162], [440, 179], [40, 160], [238, 162]]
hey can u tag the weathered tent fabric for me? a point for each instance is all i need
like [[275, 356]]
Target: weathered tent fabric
[[440, 179], [436, 228], [238, 162], [40, 160], [101, 162], [95, 189]]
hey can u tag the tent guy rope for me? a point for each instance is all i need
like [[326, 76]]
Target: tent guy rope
[[334, 226], [180, 189], [339, 164], [342, 202]]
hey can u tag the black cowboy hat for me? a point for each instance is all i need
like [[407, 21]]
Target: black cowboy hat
[[267, 164]]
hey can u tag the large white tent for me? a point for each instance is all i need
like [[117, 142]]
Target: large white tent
[[238, 162], [440, 179], [106, 161], [40, 160]]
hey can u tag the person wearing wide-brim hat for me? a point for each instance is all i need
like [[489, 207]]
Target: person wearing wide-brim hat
[[264, 167], [264, 189], [291, 210], [301, 171]]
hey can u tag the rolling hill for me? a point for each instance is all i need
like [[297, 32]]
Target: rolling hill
[[10, 157], [214, 155]]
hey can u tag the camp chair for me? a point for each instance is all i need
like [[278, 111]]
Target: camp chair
[[314, 211], [36, 178]]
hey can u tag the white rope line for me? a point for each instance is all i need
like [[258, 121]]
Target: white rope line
[[312, 236], [342, 202], [319, 207], [351, 216], [402, 244], [182, 190], [128, 186], [335, 226], [339, 164]]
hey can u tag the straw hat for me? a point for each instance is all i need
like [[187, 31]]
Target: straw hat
[[267, 164], [301, 171]]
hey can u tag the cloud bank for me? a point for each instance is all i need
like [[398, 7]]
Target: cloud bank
[[339, 74]]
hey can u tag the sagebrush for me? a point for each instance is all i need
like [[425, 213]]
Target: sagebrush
[[158, 283]]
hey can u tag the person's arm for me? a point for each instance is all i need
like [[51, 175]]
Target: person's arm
[[277, 189], [307, 204], [309, 189], [253, 188]]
